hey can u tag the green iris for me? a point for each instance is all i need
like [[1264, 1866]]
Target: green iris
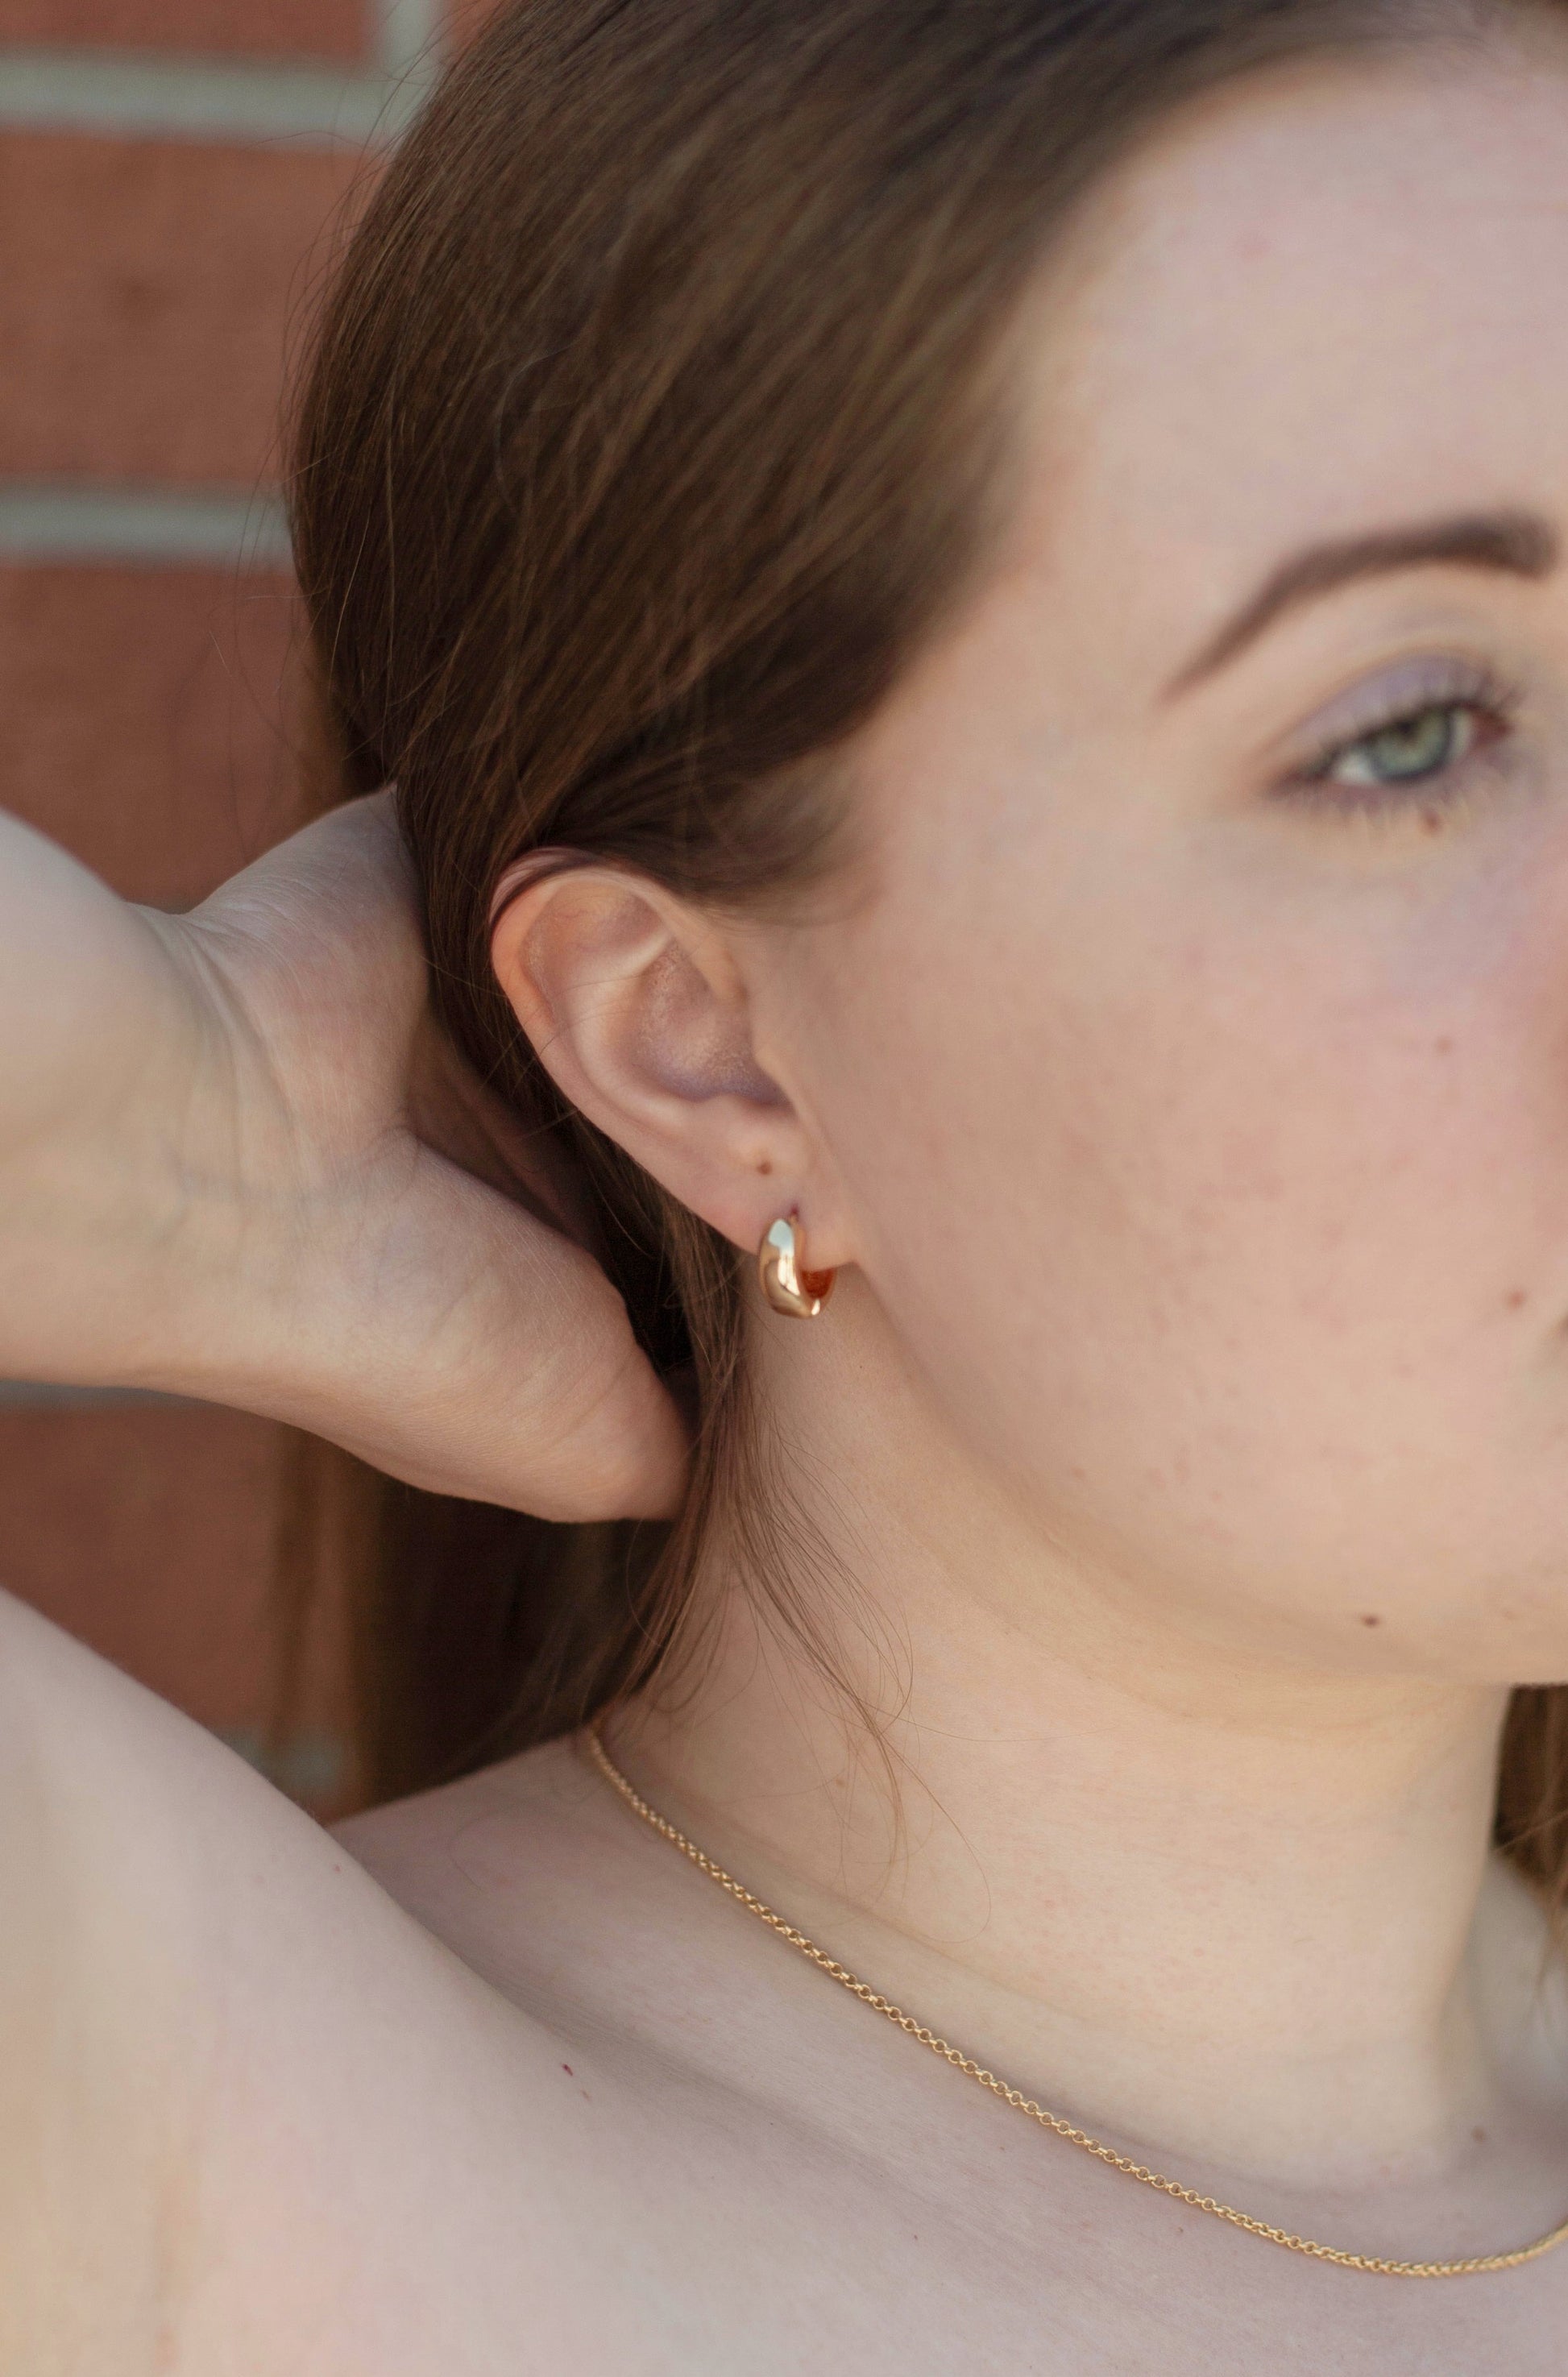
[[1408, 750]]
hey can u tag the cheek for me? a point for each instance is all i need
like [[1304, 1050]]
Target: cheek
[[1240, 1250]]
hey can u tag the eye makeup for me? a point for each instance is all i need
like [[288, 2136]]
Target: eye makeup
[[1409, 738]]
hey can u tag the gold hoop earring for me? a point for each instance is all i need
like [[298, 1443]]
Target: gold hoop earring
[[787, 1284]]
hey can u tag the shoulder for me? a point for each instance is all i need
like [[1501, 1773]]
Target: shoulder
[[526, 1870], [220, 2036]]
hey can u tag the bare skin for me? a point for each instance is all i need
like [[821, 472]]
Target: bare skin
[[237, 1160], [1180, 1085]]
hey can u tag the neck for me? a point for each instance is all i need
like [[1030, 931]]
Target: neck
[[1238, 1909]]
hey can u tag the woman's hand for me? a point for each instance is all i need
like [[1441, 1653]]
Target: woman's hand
[[219, 1175]]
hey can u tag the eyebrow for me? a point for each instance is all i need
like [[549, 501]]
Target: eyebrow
[[1516, 544]]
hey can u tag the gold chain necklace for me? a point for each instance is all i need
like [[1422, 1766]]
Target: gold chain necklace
[[1015, 2097]]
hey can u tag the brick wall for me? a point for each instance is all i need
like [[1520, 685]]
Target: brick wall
[[169, 171]]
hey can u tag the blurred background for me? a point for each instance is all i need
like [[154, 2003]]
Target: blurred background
[[172, 174]]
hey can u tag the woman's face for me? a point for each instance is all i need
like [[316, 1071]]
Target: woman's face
[[1193, 1072]]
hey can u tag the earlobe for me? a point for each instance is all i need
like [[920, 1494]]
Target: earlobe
[[637, 1004]]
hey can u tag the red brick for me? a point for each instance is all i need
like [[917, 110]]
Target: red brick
[[158, 1534], [150, 295], [156, 720], [271, 29]]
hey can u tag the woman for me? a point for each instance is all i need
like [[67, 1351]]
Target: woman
[[966, 606]]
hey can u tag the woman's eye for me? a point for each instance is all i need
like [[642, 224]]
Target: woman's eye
[[1415, 744], [1409, 750]]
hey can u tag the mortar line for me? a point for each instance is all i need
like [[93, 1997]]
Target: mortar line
[[196, 99], [43, 523], [409, 40]]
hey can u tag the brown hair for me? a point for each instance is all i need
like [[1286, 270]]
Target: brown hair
[[648, 434]]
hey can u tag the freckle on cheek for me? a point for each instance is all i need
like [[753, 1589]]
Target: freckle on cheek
[[1371, 1621], [1516, 1299], [1443, 1047]]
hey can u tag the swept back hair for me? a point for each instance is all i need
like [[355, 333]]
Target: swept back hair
[[651, 432]]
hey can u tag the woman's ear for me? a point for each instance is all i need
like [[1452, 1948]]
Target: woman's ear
[[635, 1003]]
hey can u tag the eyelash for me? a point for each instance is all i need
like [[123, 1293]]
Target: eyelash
[[1451, 690]]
